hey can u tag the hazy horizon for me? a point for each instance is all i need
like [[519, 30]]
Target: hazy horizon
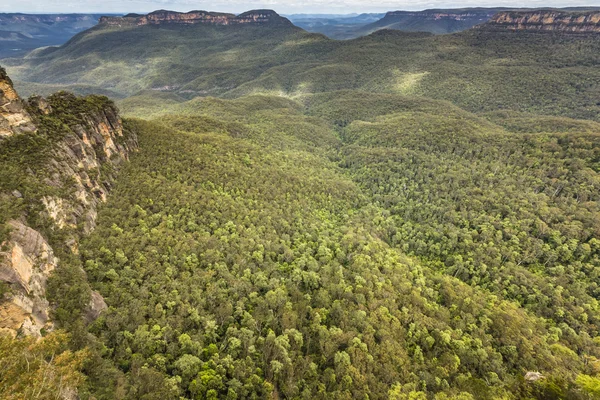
[[281, 6]]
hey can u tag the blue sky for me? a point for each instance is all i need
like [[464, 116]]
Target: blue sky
[[281, 6]]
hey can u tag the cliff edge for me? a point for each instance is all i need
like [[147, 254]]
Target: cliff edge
[[254, 17], [545, 21], [59, 158]]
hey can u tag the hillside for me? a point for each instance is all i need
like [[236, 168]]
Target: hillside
[[345, 246], [123, 57], [282, 215], [479, 70], [434, 21], [21, 33]]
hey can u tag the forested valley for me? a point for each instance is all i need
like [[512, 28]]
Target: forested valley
[[340, 243]]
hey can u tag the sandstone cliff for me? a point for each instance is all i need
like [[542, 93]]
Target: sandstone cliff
[[545, 21], [85, 143], [255, 17], [434, 21], [13, 116], [436, 15]]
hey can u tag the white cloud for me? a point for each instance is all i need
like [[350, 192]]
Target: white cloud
[[281, 6]]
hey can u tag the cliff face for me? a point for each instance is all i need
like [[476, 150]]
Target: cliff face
[[434, 21], [551, 20], [13, 116], [78, 170], [442, 15], [256, 17]]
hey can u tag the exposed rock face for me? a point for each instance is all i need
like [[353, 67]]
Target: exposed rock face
[[98, 140], [97, 305], [13, 116], [533, 376], [256, 17], [95, 142], [26, 266], [550, 20], [434, 21], [441, 15]]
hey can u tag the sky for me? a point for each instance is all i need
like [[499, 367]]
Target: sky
[[281, 6]]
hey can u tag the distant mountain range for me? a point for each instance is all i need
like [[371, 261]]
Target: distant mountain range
[[21, 33], [209, 54], [334, 26], [437, 21]]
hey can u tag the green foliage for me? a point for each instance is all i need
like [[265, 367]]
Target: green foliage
[[22, 158], [71, 110], [44, 369], [389, 217], [589, 384], [250, 257], [477, 70]]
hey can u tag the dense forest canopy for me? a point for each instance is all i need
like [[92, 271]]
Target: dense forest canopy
[[399, 216]]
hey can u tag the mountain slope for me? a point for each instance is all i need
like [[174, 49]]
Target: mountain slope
[[480, 70], [347, 247], [440, 21], [169, 55], [434, 21]]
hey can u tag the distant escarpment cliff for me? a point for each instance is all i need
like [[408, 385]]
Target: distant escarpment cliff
[[437, 15], [545, 21], [10, 18], [58, 159], [255, 17], [434, 21]]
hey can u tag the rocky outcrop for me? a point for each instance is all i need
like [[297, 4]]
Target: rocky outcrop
[[545, 21], [98, 140], [84, 157], [13, 116], [96, 306], [533, 376], [26, 265], [256, 17]]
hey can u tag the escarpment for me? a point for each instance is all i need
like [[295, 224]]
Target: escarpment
[[545, 21], [436, 15], [255, 17], [13, 116], [61, 156], [436, 21]]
